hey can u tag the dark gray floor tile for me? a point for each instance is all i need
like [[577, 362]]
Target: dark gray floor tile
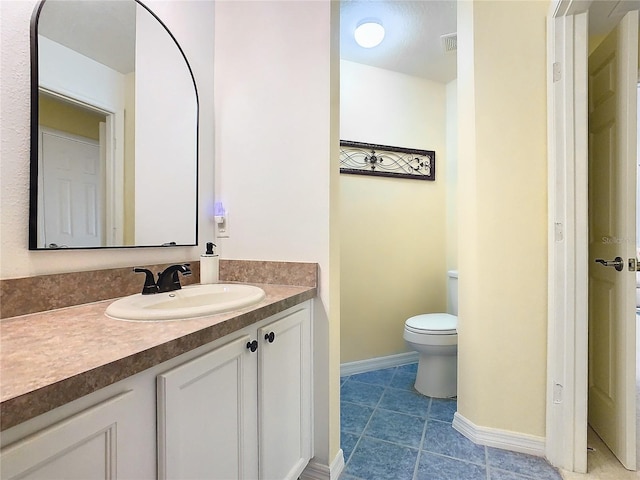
[[361, 393], [396, 427], [440, 437], [436, 467], [404, 401], [377, 460], [354, 417], [527, 465]]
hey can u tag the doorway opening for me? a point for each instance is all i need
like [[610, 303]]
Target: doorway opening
[[612, 126], [569, 262]]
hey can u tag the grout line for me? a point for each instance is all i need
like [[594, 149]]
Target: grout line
[[424, 434], [457, 459], [401, 445], [428, 421], [486, 461], [407, 414], [352, 450], [368, 421]]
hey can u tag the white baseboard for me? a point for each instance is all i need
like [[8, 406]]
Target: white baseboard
[[362, 366], [320, 471], [504, 439]]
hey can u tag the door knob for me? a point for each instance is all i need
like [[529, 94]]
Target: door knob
[[616, 263], [270, 337], [253, 346]]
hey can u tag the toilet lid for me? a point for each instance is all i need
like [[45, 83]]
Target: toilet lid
[[433, 323]]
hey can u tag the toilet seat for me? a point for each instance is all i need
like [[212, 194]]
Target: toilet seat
[[433, 324]]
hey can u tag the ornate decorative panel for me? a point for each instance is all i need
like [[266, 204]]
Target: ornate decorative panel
[[386, 161]]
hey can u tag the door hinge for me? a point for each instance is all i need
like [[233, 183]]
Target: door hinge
[[557, 393], [558, 232], [557, 72]]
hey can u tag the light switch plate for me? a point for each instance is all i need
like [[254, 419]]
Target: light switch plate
[[222, 229]]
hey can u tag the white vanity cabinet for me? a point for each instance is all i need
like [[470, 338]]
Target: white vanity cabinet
[[219, 411], [95, 443], [243, 410]]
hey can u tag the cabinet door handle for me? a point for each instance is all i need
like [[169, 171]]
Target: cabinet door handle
[[270, 337], [253, 346]]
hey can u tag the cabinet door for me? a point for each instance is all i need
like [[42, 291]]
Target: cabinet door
[[207, 416], [83, 446], [284, 396]]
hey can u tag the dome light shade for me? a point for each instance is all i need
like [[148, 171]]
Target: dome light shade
[[369, 34]]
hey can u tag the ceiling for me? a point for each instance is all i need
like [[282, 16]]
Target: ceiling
[[412, 43], [604, 15], [103, 30]]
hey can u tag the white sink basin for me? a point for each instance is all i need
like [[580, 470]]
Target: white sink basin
[[188, 302]]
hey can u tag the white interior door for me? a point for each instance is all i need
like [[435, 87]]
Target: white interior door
[[73, 193], [612, 209]]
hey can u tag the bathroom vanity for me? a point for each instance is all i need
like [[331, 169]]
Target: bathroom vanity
[[219, 397]]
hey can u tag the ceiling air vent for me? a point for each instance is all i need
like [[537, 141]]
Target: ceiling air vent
[[450, 42]]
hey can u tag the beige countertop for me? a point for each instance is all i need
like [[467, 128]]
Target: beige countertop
[[51, 358]]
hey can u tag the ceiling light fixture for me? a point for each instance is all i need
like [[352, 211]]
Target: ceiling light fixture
[[369, 34]]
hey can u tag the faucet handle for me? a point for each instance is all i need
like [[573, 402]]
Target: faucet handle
[[150, 286], [168, 279]]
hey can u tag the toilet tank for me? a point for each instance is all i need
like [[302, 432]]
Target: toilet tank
[[452, 292]]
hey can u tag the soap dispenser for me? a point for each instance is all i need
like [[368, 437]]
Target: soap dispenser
[[209, 265]]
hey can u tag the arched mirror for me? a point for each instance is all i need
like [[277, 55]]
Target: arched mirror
[[114, 129]]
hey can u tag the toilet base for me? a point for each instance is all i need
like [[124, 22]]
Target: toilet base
[[437, 376]]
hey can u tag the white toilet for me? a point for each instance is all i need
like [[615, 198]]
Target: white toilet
[[435, 338]]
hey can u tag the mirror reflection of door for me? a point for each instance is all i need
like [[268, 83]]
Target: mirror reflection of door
[[73, 194], [71, 154]]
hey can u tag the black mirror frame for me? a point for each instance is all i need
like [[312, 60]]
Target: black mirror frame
[[33, 156]]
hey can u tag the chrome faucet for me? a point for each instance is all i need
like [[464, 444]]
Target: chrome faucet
[[168, 280]]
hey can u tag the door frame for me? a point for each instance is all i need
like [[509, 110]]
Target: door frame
[[567, 339], [567, 335], [112, 167]]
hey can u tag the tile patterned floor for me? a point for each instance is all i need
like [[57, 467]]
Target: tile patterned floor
[[390, 432]]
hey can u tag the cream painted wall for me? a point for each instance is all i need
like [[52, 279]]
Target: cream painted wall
[[393, 231], [69, 118], [452, 175], [503, 214], [276, 105], [192, 24]]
